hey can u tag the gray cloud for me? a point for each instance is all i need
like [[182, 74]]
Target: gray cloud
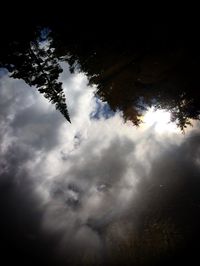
[[78, 192]]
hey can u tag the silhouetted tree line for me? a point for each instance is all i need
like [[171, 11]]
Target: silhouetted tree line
[[36, 63], [133, 66]]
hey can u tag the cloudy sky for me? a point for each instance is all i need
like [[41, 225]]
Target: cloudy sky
[[71, 191]]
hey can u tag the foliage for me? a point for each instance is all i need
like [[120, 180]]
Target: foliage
[[36, 63], [133, 66]]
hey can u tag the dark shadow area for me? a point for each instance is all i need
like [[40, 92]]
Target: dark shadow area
[[133, 66]]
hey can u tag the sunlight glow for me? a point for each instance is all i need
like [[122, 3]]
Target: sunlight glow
[[160, 120]]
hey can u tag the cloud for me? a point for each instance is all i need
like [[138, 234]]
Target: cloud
[[74, 191]]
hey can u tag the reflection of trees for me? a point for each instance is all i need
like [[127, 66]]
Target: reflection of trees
[[36, 63], [132, 67], [132, 74]]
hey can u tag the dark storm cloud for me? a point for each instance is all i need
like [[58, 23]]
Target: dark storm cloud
[[78, 202]]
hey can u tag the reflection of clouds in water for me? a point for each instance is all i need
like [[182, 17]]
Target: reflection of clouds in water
[[91, 174], [160, 120]]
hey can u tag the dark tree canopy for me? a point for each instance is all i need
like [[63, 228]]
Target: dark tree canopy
[[35, 62], [150, 65], [133, 66]]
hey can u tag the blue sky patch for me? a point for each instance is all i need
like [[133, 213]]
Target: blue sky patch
[[102, 110]]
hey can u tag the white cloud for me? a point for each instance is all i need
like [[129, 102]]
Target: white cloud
[[86, 174]]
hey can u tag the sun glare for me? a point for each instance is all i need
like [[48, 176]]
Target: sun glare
[[160, 120]]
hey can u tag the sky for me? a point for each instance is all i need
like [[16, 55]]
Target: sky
[[74, 192]]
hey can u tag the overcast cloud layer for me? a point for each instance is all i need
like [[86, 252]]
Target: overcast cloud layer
[[72, 191]]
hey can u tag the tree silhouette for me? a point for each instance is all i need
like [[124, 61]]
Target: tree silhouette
[[155, 66], [133, 67], [36, 63]]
